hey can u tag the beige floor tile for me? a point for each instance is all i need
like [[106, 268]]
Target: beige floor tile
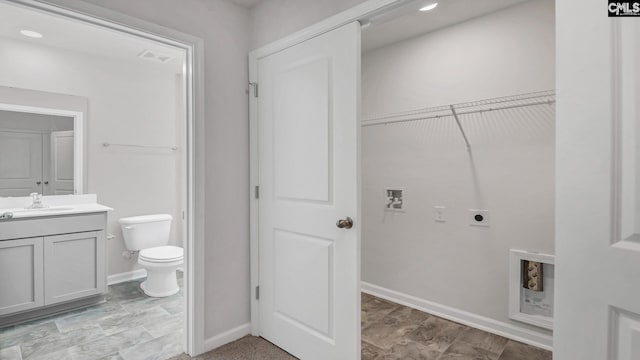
[[518, 351]]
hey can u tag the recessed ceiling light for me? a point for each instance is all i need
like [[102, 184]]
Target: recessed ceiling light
[[429, 7], [31, 34]]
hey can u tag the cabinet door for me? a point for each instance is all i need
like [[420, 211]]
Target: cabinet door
[[20, 275], [74, 266]]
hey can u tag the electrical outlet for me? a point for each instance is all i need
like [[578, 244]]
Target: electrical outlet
[[479, 217], [439, 214]]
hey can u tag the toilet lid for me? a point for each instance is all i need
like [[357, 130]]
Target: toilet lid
[[162, 254]]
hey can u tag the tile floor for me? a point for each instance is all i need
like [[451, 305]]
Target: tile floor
[[129, 326], [393, 332]]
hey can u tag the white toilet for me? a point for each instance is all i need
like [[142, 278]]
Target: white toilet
[[150, 235]]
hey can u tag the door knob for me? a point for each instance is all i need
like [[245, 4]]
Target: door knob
[[346, 223], [38, 182], [46, 183]]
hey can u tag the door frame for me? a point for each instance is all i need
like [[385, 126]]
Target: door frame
[[362, 13], [193, 178], [79, 132]]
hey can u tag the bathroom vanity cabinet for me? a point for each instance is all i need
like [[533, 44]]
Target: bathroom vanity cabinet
[[51, 263]]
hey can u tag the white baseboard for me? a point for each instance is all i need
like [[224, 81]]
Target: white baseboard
[[479, 322], [227, 337], [126, 276]]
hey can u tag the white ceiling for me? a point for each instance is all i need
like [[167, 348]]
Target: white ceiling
[[402, 23], [73, 35], [407, 22], [246, 3]]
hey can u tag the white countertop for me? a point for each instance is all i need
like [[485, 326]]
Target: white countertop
[[54, 206]]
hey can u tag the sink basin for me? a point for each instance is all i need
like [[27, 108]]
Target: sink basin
[[47, 209], [52, 209]]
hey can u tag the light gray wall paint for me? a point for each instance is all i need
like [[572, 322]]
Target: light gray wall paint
[[224, 27], [510, 171], [275, 19], [36, 122], [129, 103], [504, 53]]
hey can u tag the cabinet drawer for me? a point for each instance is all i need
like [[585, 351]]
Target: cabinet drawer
[[32, 227]]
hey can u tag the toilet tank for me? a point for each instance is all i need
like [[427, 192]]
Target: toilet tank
[[146, 231]]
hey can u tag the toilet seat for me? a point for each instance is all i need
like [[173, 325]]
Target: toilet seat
[[162, 254]]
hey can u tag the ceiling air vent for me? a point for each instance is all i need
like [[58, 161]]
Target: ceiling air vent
[[155, 56]]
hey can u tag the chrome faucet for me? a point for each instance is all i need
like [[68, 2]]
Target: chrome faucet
[[36, 201]]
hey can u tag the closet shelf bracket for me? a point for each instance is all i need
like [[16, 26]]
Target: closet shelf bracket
[[464, 135]]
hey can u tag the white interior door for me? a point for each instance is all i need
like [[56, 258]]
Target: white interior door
[[598, 189], [61, 169], [20, 163], [308, 109]]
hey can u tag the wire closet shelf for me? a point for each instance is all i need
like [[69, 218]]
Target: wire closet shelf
[[540, 98]]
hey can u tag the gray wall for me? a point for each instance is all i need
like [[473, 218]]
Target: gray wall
[[224, 27]]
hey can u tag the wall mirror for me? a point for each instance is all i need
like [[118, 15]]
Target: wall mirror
[[36, 154], [41, 147]]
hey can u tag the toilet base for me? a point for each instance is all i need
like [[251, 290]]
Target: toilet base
[[157, 294], [160, 283]]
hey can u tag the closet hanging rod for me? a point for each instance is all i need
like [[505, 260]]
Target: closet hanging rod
[[447, 113], [173, 148]]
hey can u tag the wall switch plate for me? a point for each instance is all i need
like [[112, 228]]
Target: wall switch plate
[[439, 214], [479, 217]]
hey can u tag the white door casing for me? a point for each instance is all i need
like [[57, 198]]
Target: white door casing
[[598, 171], [20, 163], [308, 141], [61, 180]]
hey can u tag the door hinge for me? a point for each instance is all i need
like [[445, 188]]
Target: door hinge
[[258, 292], [257, 192], [255, 88]]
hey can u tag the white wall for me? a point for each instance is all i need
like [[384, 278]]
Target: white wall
[[129, 102], [510, 171], [224, 27], [506, 53]]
